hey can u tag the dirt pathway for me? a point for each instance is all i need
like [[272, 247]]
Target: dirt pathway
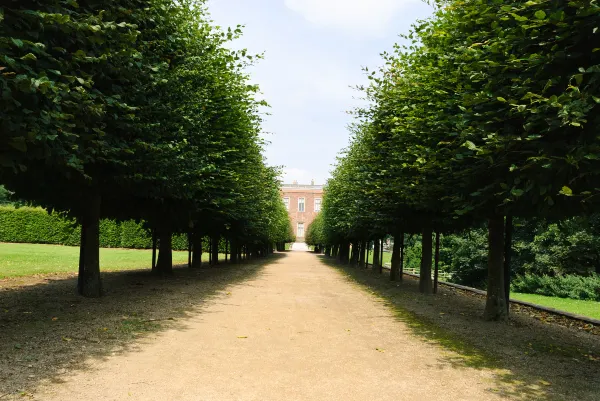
[[298, 331]]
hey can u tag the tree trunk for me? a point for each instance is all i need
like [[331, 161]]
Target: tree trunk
[[495, 307], [189, 237], [197, 250], [354, 257], [154, 244], [381, 257], [437, 262], [368, 252], [507, 259], [81, 261], [401, 274], [234, 251], [363, 254], [164, 266], [226, 249], [215, 249], [90, 284], [376, 250], [425, 274], [395, 267]]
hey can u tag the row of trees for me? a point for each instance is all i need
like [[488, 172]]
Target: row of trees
[[490, 113], [135, 109]]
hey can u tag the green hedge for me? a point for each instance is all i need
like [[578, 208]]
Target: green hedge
[[569, 286], [37, 226]]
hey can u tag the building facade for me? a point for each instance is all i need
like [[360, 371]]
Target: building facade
[[303, 203]]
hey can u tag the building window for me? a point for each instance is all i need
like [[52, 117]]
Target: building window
[[301, 204], [300, 230], [286, 202], [317, 204]]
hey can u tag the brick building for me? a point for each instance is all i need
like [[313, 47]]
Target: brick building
[[303, 203]]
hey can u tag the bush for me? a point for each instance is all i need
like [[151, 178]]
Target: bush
[[37, 226], [569, 286]]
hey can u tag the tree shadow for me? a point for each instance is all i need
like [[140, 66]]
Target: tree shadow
[[47, 330], [530, 360]]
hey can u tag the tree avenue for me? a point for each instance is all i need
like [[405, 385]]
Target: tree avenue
[[490, 113], [136, 109]]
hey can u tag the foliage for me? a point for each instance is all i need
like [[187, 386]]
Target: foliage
[[491, 110], [569, 286], [37, 226], [135, 110], [314, 234], [4, 196]]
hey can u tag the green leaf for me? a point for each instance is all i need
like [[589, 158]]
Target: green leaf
[[470, 145], [29, 56], [19, 144], [17, 42], [540, 14], [501, 99], [517, 192], [566, 191]]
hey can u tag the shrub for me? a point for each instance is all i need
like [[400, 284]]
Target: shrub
[[569, 286], [37, 226]]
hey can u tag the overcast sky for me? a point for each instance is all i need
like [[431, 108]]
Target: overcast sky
[[314, 52]]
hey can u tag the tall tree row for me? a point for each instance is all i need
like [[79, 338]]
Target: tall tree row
[[489, 113], [134, 109]]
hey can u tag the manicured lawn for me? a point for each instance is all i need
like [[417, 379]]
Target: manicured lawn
[[28, 259], [387, 257], [584, 308]]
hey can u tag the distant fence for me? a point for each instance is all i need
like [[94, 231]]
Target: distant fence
[[446, 276]]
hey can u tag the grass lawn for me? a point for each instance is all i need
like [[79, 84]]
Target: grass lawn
[[387, 257], [583, 308], [18, 260]]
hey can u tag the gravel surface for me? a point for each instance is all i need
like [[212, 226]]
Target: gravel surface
[[543, 356], [295, 327]]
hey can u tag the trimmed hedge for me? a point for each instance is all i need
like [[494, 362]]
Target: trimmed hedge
[[569, 286], [37, 226]]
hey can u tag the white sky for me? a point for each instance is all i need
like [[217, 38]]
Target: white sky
[[314, 52]]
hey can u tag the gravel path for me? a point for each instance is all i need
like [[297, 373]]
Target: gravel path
[[299, 330]]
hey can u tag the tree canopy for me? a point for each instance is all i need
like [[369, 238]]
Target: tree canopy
[[135, 109], [490, 111]]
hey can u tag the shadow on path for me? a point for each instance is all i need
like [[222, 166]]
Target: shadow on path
[[531, 360], [46, 330]]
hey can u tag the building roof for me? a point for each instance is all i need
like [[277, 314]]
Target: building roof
[[301, 186]]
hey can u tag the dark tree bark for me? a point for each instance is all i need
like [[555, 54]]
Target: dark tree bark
[[401, 274], [395, 266], [81, 262], [197, 250], [90, 284], [234, 251], [368, 253], [507, 259], [215, 249], [376, 250], [189, 238], [425, 274], [154, 244], [355, 254], [164, 266], [437, 262], [381, 257], [363, 254], [226, 249], [495, 306]]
